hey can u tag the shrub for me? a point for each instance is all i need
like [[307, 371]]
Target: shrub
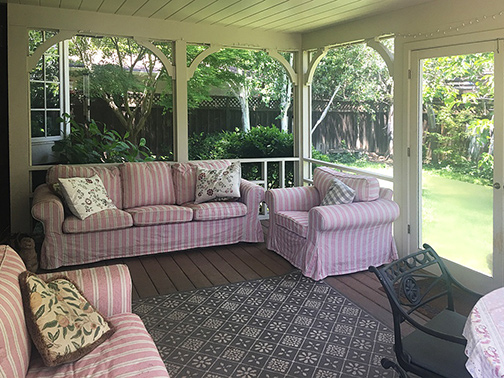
[[89, 144]]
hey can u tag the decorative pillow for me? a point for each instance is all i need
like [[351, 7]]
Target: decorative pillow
[[61, 322], [338, 194], [218, 183], [85, 196]]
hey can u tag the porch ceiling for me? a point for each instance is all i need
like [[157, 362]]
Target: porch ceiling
[[296, 16]]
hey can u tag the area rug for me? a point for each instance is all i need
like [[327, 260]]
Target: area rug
[[286, 326]]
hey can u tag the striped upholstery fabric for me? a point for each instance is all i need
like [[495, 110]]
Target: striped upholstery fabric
[[110, 219], [217, 210], [366, 188], [129, 352], [63, 248], [339, 239], [295, 221], [184, 178], [15, 342], [147, 183], [108, 288], [160, 214], [110, 177]]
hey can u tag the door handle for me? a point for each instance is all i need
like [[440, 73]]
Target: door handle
[[496, 185]]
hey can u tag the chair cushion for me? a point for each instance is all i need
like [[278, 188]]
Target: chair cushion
[[15, 343], [366, 188], [295, 221], [160, 214], [147, 183], [112, 219], [217, 210], [184, 178], [443, 357], [63, 325], [110, 176], [130, 351]]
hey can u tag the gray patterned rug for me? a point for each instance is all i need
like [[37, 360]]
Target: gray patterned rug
[[287, 326]]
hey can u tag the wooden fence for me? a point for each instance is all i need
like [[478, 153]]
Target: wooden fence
[[344, 122]]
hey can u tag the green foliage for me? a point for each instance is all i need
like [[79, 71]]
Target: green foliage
[[358, 70], [91, 144], [458, 134], [259, 142]]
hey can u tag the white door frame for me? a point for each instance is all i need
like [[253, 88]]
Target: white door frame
[[413, 53]]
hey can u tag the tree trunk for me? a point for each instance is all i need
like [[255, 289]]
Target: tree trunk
[[245, 113], [285, 100], [328, 106]]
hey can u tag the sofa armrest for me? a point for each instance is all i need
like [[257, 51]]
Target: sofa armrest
[[301, 198], [353, 215], [48, 208], [251, 195], [386, 193], [108, 288]]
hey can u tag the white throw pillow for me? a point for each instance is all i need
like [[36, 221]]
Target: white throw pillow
[[218, 183], [338, 193], [85, 196]]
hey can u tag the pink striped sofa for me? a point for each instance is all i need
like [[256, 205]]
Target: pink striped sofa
[[129, 352], [155, 213], [336, 239]]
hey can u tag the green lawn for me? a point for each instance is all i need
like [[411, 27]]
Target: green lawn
[[457, 221]]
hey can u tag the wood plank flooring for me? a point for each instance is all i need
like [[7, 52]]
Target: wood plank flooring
[[205, 267]]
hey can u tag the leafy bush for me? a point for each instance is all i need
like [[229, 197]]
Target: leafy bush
[[89, 144], [259, 142]]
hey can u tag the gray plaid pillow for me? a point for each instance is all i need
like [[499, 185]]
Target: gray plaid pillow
[[338, 193]]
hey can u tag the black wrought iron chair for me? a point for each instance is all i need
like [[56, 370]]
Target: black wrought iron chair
[[435, 348]]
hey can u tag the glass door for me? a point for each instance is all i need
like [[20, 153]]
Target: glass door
[[459, 149]]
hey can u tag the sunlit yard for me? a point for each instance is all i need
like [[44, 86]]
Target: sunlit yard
[[457, 221]]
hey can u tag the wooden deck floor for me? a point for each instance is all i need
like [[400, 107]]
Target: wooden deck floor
[[205, 267]]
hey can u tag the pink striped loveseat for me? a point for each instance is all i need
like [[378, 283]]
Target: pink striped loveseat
[[129, 352], [155, 213], [336, 239]]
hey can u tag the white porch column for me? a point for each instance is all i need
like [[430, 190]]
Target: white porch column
[[19, 130], [180, 116], [302, 118]]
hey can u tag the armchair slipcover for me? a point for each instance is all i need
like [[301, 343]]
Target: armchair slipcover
[[335, 239]]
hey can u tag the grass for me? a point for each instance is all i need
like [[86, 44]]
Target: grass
[[458, 221]]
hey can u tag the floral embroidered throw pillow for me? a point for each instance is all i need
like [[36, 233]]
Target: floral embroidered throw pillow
[[215, 184], [85, 196], [63, 325]]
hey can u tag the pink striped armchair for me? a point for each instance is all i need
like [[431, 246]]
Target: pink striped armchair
[[130, 351], [335, 239]]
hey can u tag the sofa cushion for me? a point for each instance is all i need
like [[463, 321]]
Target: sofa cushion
[[111, 219], [160, 214], [85, 195], [366, 188], [110, 176], [63, 325], [217, 210], [295, 221], [184, 178], [147, 183], [214, 184], [130, 351], [15, 343]]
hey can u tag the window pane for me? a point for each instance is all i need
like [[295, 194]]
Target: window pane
[[52, 67], [37, 124], [38, 72], [52, 95], [37, 95], [53, 126]]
